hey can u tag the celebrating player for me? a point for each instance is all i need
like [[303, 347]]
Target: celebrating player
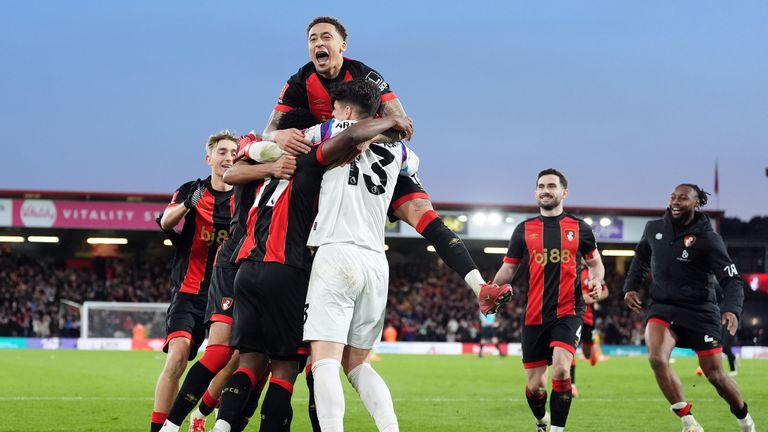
[[308, 88], [205, 207], [681, 250], [348, 286], [218, 316], [271, 283], [547, 249]]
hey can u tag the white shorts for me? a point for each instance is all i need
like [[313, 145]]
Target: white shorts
[[347, 296]]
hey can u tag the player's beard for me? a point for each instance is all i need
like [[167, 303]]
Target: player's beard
[[550, 205]]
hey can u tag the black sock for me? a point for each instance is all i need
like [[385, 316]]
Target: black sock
[[537, 402], [155, 427], [207, 404], [191, 390], [449, 247], [250, 408], [276, 411], [573, 374], [158, 418], [311, 406], [741, 412], [731, 361], [560, 403], [234, 397]]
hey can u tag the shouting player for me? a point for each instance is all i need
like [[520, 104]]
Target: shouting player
[[682, 250], [205, 208], [547, 249], [309, 89]]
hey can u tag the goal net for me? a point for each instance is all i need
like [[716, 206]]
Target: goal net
[[123, 320]]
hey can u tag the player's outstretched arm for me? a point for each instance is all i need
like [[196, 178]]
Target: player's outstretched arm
[[392, 107], [505, 273], [244, 171], [362, 131], [597, 273]]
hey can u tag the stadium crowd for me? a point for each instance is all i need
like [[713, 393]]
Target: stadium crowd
[[427, 301]]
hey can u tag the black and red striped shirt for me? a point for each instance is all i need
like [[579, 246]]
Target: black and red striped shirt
[[548, 250], [308, 89], [206, 226], [282, 214], [243, 197]]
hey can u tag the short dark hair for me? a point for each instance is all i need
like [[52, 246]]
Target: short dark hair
[[360, 92], [552, 171], [329, 20], [299, 118], [703, 196]]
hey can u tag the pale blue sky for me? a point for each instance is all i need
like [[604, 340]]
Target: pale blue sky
[[628, 99]]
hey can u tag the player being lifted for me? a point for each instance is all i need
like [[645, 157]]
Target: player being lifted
[[348, 286], [681, 250], [271, 284], [308, 88], [221, 298], [205, 207], [544, 252]]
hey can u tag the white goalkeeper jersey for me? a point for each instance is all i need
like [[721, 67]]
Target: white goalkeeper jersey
[[354, 198]]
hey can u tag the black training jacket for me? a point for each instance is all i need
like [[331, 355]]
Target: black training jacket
[[681, 260]]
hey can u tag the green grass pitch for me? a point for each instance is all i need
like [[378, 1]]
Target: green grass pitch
[[112, 391]]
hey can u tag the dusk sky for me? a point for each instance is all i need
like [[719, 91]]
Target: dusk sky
[[628, 99]]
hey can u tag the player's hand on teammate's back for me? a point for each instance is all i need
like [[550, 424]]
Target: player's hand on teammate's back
[[196, 192], [632, 300], [292, 141], [733, 322], [284, 167]]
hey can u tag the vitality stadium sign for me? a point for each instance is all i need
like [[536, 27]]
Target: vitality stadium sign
[[85, 214]]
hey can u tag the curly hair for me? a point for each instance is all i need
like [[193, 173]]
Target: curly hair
[[329, 20], [362, 93]]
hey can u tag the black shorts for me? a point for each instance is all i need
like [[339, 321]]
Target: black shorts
[[487, 333], [539, 340], [587, 334], [185, 318], [221, 294], [700, 331], [269, 313], [697, 340], [406, 189]]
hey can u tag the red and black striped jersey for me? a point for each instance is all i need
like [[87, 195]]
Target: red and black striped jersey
[[308, 89], [282, 214], [206, 226], [243, 197], [548, 250]]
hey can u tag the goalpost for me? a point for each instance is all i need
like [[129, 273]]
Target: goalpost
[[114, 319]]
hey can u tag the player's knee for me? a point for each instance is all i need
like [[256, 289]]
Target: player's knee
[[413, 210], [216, 357], [561, 372], [657, 361]]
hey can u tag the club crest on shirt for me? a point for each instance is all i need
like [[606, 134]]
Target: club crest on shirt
[[226, 303], [689, 240], [570, 235], [659, 236]]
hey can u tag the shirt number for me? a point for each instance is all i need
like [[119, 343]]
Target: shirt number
[[377, 168], [731, 270]]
